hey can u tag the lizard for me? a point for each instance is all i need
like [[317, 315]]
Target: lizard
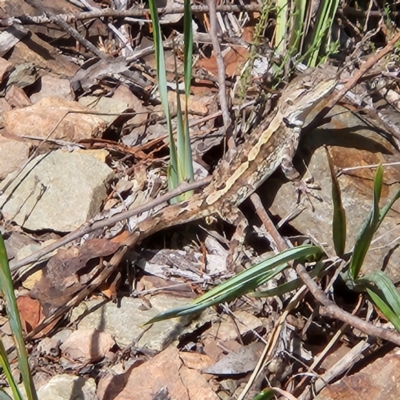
[[268, 147], [240, 174]]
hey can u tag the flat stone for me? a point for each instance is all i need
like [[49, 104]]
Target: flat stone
[[125, 321], [380, 380], [67, 387], [51, 86], [61, 191], [105, 105], [13, 154], [55, 116]]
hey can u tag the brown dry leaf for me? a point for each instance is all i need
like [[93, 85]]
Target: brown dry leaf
[[60, 280], [31, 314], [109, 289], [196, 104], [196, 361], [87, 345], [234, 58], [248, 34], [121, 238]]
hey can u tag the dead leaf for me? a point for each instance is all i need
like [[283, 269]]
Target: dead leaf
[[60, 280], [31, 314]]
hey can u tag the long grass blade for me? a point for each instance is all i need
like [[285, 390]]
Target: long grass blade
[[322, 27], [385, 309], [173, 181], [242, 283], [5, 396], [5, 365], [7, 290], [339, 214], [281, 25], [292, 285], [385, 286], [371, 223]]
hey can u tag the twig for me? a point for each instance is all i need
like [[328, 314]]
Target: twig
[[331, 310], [221, 75], [368, 64], [268, 224], [87, 228], [133, 12], [59, 21]]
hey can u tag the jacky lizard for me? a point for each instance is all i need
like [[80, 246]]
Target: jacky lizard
[[236, 178]]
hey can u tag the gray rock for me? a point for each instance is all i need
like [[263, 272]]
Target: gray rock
[[124, 322], [67, 387], [13, 154], [58, 191]]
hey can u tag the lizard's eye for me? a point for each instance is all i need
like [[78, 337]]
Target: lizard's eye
[[289, 102], [287, 122], [292, 124]]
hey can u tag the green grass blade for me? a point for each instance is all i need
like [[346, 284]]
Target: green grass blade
[[385, 286], [242, 283], [387, 207], [266, 394], [366, 234], [181, 163], [184, 148], [5, 365], [5, 396], [290, 286], [339, 214], [297, 32], [7, 291], [181, 153], [173, 181], [322, 27], [188, 47], [282, 11], [385, 309], [188, 67], [234, 291]]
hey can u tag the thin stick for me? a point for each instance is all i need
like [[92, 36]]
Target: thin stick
[[89, 227], [226, 116], [368, 64], [132, 12]]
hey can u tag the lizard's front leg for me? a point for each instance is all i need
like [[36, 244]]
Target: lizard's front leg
[[291, 172], [236, 218]]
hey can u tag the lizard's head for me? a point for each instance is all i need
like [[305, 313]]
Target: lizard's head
[[302, 95]]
